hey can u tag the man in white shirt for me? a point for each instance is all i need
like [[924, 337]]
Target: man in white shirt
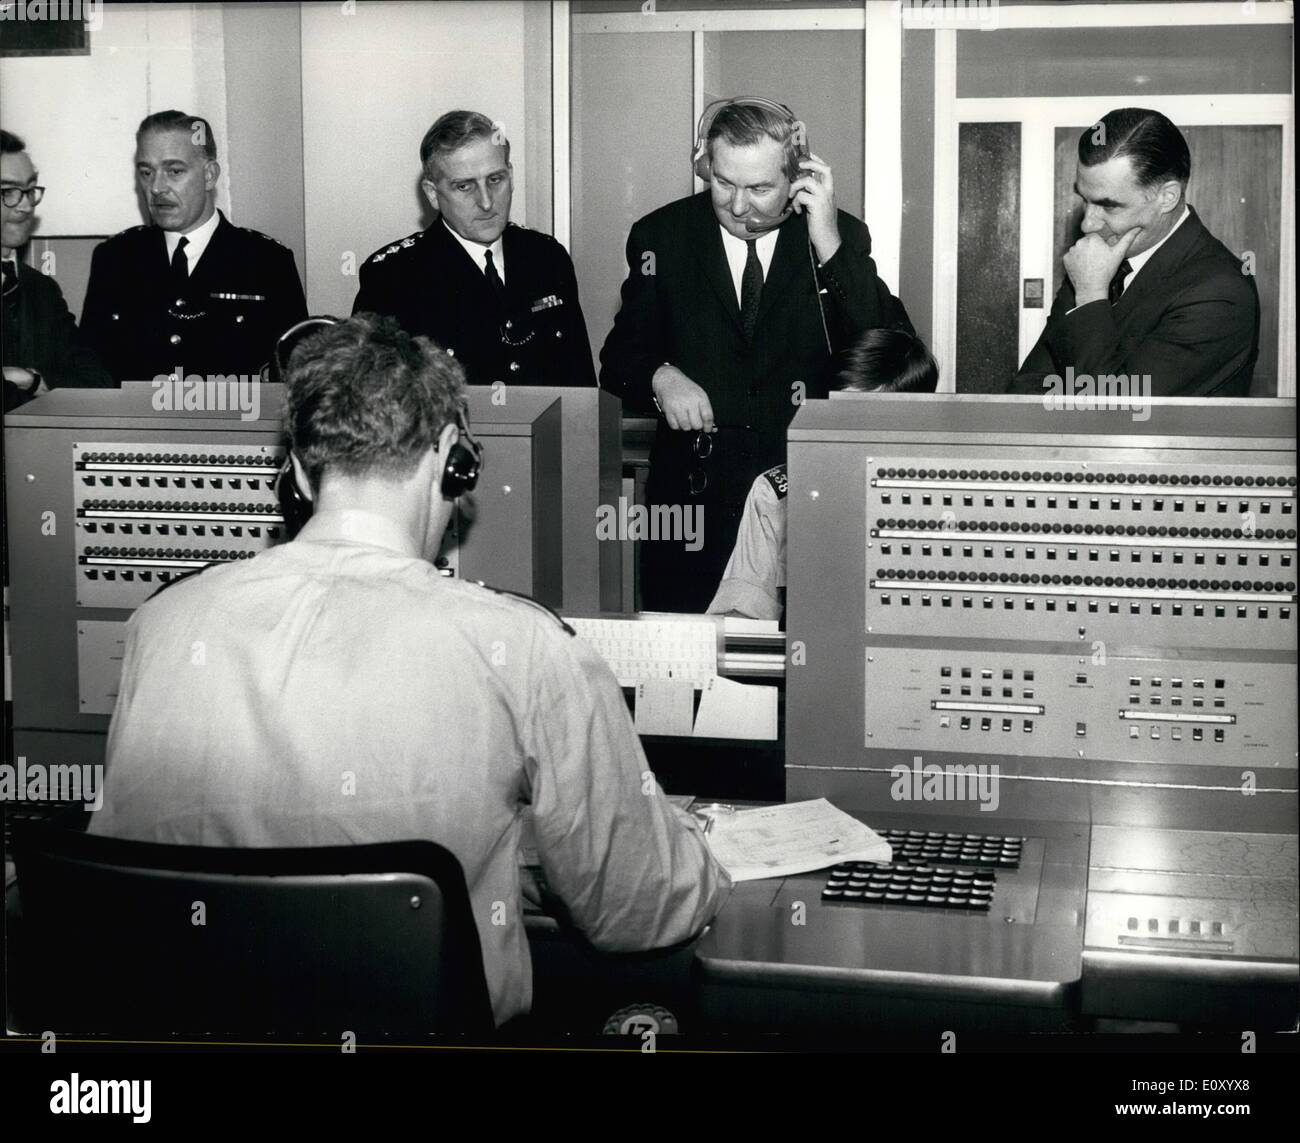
[[337, 689]]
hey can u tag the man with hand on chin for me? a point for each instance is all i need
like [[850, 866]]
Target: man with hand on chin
[[734, 302], [1149, 292]]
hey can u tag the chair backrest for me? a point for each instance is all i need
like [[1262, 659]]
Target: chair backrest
[[136, 938]]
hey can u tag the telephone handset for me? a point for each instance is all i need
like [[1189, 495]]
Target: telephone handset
[[762, 226]]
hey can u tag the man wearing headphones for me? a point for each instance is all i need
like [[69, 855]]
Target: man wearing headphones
[[734, 302], [336, 689]]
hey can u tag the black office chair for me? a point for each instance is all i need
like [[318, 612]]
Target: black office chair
[[140, 939]]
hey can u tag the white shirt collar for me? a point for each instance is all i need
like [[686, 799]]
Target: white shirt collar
[[476, 250], [358, 526], [1139, 260], [199, 238], [737, 251]]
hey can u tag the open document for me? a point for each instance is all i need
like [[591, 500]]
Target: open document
[[778, 841]]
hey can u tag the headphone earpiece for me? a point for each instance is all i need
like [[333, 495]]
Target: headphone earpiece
[[464, 462]]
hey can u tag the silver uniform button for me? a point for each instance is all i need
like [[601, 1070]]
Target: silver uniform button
[[510, 325], [180, 303], [116, 317], [514, 367], [451, 353], [559, 333], [239, 319], [175, 339]]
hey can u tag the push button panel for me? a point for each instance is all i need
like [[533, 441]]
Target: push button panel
[[1061, 705], [147, 513], [1205, 555]]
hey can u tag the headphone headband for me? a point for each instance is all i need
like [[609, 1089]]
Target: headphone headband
[[700, 156]]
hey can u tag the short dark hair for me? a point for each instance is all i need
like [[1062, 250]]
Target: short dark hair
[[452, 131], [365, 396], [180, 121], [10, 144], [744, 124], [1153, 145], [888, 361]]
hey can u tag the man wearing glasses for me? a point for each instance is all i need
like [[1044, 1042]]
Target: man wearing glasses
[[501, 299], [192, 292], [41, 347]]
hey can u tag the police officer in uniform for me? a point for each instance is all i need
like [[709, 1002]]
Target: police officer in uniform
[[501, 298], [190, 291], [451, 707]]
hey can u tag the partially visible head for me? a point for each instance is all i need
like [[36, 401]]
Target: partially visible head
[[371, 414], [1132, 172], [176, 169], [468, 178], [888, 361], [16, 173], [753, 156], [276, 369]]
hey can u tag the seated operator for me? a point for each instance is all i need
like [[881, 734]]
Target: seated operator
[[336, 689], [753, 584]]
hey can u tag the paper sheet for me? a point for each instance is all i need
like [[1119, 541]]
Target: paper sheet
[[736, 710], [779, 841], [665, 706]]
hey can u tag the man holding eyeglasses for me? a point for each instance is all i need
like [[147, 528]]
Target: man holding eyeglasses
[[500, 298], [41, 347]]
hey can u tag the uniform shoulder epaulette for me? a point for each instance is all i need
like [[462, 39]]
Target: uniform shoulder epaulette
[[537, 603], [395, 248], [777, 478], [181, 579], [259, 234], [121, 234]]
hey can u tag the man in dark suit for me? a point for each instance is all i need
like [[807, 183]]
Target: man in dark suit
[[500, 298], [191, 292], [733, 302], [39, 342], [1149, 292]]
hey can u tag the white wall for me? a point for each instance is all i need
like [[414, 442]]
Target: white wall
[[373, 81], [78, 114]]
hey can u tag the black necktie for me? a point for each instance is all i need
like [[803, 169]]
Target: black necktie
[[10, 273], [494, 279], [180, 266], [751, 289], [1116, 290]]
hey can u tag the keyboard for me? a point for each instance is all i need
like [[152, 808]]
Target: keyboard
[[918, 847], [640, 649], [898, 883], [933, 868]]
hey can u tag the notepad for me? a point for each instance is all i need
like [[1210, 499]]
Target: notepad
[[780, 841], [736, 710], [665, 706]]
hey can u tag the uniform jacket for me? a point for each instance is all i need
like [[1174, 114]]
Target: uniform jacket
[[244, 293], [1189, 320], [349, 693], [40, 333], [433, 287]]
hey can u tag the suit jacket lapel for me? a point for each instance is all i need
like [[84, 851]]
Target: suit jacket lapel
[[1163, 262], [790, 254], [707, 245], [213, 254]]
